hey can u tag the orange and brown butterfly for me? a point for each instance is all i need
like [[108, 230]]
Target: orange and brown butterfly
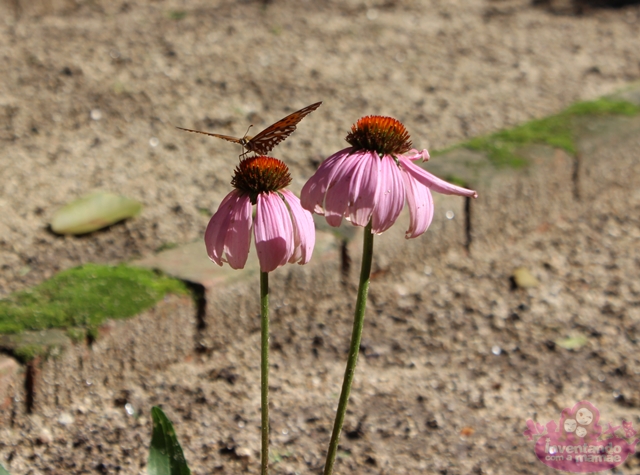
[[265, 141]]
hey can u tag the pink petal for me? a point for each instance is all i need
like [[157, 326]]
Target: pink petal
[[433, 182], [420, 204], [228, 235], [304, 232], [389, 196], [217, 228], [337, 196], [273, 232], [362, 188], [313, 192], [414, 154], [238, 240]]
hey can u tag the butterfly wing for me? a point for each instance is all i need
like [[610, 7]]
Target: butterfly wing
[[220, 136], [264, 142]]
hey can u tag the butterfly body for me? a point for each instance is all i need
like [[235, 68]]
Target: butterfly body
[[263, 142]]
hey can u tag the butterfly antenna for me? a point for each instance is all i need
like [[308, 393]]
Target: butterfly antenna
[[245, 150]]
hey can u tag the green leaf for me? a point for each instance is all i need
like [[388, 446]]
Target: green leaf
[[574, 342], [165, 453], [3, 471], [92, 212]]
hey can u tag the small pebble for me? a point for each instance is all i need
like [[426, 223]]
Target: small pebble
[[523, 278], [243, 452], [66, 419], [45, 437]]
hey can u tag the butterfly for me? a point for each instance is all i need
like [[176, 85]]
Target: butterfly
[[265, 141]]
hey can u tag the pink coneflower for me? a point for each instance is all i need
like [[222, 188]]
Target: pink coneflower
[[283, 230], [371, 180], [368, 184]]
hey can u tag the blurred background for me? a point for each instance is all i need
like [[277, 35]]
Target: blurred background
[[91, 92]]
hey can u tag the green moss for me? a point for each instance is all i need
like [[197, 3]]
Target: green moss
[[177, 14], [84, 297], [604, 106], [556, 131], [76, 335], [27, 345], [28, 352]]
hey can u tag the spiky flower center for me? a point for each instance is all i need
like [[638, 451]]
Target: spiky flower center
[[255, 175], [384, 135]]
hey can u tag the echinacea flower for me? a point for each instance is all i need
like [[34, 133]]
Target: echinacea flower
[[283, 230], [371, 180], [368, 184]]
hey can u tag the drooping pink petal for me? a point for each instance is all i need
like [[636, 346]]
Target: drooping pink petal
[[313, 192], [420, 204], [362, 188], [217, 228], [414, 154], [304, 232], [228, 234], [273, 232], [337, 196], [389, 198], [238, 240], [433, 182]]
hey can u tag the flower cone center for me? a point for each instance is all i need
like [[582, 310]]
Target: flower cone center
[[384, 135], [255, 175]]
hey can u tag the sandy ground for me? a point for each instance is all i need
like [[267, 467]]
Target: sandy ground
[[90, 95]]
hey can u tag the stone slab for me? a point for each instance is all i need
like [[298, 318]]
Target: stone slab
[[124, 354]]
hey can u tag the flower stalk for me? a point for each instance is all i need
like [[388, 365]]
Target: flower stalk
[[354, 348], [264, 370]]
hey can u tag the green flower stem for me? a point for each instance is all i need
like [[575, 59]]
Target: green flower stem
[[356, 335], [264, 369]]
